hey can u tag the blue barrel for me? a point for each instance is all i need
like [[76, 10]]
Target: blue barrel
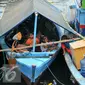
[[82, 62]]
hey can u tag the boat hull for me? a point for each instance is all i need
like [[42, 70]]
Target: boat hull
[[31, 64], [76, 74]]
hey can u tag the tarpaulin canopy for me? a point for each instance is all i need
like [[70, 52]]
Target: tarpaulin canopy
[[20, 9]]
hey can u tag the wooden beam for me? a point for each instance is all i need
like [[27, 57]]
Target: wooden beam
[[42, 44]]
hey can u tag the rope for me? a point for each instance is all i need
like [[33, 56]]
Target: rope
[[51, 73], [42, 44], [13, 46], [6, 72], [71, 30], [4, 58], [55, 76]]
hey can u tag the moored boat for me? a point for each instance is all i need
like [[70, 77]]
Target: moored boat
[[36, 61], [28, 17], [78, 51], [74, 71]]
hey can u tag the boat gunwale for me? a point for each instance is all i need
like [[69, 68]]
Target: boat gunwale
[[76, 74]]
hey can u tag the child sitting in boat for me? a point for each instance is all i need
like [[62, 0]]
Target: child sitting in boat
[[50, 47], [30, 40], [44, 39]]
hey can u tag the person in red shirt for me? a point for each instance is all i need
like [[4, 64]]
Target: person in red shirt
[[30, 40], [65, 46]]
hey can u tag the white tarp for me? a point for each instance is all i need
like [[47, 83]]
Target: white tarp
[[19, 11], [14, 14], [65, 7]]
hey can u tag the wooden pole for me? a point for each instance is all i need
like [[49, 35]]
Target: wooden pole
[[42, 44]]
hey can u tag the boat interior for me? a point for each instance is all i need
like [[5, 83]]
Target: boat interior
[[46, 29]]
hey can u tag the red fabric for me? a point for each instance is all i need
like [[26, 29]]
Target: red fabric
[[82, 26], [68, 50], [30, 41], [65, 48], [37, 41]]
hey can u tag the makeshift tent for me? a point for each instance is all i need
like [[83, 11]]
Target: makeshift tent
[[21, 9]]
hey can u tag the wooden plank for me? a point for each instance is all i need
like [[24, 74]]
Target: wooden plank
[[42, 44], [78, 51], [78, 44]]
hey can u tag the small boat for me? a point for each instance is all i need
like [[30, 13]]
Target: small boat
[[31, 16], [79, 25], [35, 60], [74, 71], [75, 61]]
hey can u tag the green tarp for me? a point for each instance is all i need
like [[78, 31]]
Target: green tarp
[[83, 4]]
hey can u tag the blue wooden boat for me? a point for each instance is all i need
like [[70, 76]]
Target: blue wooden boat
[[42, 14]]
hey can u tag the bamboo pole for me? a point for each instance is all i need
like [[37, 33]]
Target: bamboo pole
[[42, 44]]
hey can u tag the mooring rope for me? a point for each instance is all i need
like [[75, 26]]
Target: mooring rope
[[55, 76], [5, 72], [51, 72]]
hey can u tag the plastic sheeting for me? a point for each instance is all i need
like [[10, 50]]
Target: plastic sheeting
[[17, 12]]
